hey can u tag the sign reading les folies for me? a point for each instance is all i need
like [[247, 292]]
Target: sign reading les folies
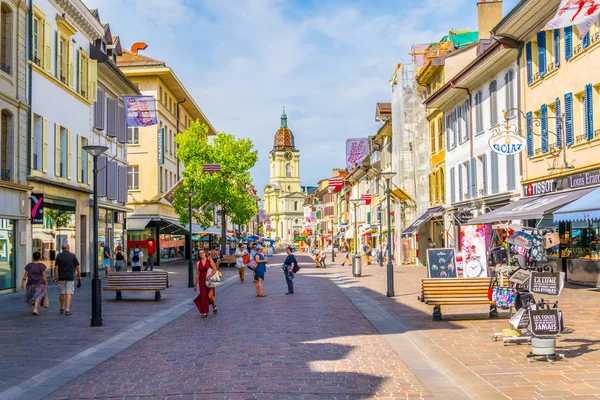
[[544, 322]]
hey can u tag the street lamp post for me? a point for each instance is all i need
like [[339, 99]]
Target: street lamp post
[[380, 254], [355, 203], [390, 266], [189, 244], [95, 152]]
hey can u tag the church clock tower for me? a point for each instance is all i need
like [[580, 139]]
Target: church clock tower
[[283, 195]]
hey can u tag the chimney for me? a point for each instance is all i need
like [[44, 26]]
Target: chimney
[[489, 14], [137, 46]]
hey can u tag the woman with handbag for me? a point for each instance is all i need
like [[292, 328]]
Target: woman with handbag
[[206, 268], [241, 259], [261, 268], [37, 283]]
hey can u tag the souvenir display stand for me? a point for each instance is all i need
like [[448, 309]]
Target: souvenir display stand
[[513, 287]]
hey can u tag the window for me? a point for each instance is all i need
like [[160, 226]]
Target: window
[[133, 135], [541, 53], [38, 140], [478, 112], [493, 103], [63, 152], [568, 42], [467, 119], [6, 146], [36, 40], [6, 38], [288, 171], [509, 89], [84, 161], [529, 57], [160, 93], [82, 67], [441, 140], [296, 206], [432, 136], [133, 177], [171, 141]]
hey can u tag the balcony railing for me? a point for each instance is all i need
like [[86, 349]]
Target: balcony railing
[[596, 133], [596, 37], [580, 138], [538, 151], [5, 174], [578, 49]]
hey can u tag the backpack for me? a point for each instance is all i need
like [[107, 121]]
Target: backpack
[[136, 256]]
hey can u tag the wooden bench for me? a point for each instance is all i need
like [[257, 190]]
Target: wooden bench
[[227, 260], [139, 281], [440, 292]]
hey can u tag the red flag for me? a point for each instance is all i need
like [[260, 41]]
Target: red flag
[[210, 168], [336, 184], [366, 198]]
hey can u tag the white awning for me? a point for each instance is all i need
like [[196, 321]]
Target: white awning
[[349, 234], [137, 224], [208, 231]]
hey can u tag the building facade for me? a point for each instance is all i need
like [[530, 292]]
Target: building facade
[[283, 195]]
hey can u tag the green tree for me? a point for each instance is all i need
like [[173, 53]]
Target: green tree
[[57, 218], [226, 190]]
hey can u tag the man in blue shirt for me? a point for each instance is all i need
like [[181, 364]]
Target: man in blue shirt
[[288, 269]]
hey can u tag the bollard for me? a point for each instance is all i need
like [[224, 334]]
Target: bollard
[[356, 265]]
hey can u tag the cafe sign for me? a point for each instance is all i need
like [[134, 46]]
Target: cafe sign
[[507, 141]]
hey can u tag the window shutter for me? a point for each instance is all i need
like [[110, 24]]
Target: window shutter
[[101, 176], [452, 186], [112, 180], [99, 107], [529, 62], [44, 145], [467, 118], [457, 134], [69, 153], [92, 80], [589, 112], [544, 116], [569, 119], [122, 195], [468, 185], [111, 117], [460, 183], [585, 42], [48, 47], [79, 159], [510, 169], [568, 42], [530, 150], [493, 103], [558, 124], [557, 47], [485, 172], [473, 177], [90, 170], [541, 38], [70, 64], [448, 131], [122, 125], [495, 173], [57, 150]]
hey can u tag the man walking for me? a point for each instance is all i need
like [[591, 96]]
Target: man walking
[[65, 267], [150, 256], [289, 265], [107, 256], [136, 256]]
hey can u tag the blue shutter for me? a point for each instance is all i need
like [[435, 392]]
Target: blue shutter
[[101, 175], [485, 172], [585, 42], [589, 112], [570, 140], [510, 169], [557, 47], [468, 183], [530, 150], [568, 42], [544, 116], [448, 132], [541, 38], [467, 118], [495, 173], [460, 183], [529, 62], [452, 186], [458, 124], [558, 124], [473, 178]]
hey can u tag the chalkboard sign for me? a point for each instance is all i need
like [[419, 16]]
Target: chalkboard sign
[[441, 263], [544, 322], [548, 283]]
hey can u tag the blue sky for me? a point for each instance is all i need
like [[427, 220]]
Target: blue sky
[[328, 62]]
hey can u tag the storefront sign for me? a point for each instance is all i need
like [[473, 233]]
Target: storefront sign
[[575, 181], [161, 146], [440, 263], [548, 283], [544, 322], [507, 143], [37, 208]]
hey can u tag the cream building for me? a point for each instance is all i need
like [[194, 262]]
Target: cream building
[[283, 196], [153, 166]]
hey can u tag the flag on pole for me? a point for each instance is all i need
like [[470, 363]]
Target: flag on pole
[[366, 199], [336, 184], [140, 110], [356, 151], [581, 13], [210, 168]]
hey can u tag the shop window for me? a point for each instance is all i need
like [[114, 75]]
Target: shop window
[[133, 177], [6, 146], [7, 254]]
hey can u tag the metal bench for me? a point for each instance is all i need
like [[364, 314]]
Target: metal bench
[[139, 281], [439, 292]]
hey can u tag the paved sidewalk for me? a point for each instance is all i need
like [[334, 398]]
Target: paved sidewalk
[[312, 345], [462, 345], [33, 346]]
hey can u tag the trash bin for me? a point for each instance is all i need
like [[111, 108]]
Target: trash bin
[[356, 265]]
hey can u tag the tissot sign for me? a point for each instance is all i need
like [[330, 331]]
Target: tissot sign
[[576, 181]]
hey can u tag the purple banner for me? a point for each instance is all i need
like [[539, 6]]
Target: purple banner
[[356, 151], [140, 110]]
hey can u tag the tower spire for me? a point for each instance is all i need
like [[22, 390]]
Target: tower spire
[[283, 119]]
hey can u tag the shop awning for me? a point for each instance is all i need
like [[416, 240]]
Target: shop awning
[[534, 208], [137, 224], [208, 231], [349, 234], [585, 208], [401, 195], [427, 215], [172, 226]]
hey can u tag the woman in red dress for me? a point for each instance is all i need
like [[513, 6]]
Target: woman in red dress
[[206, 269]]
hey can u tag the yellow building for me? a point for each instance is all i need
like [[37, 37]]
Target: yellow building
[[153, 166], [283, 195]]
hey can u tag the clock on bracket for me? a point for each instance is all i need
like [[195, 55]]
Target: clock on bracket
[[288, 155]]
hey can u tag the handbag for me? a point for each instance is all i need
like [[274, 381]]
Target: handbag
[[252, 265], [214, 281], [246, 259], [505, 297], [490, 294], [46, 300]]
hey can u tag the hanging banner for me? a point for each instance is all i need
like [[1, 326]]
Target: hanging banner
[[440, 263], [37, 208], [521, 239], [140, 110], [356, 151], [548, 283], [544, 322], [161, 146], [581, 13], [261, 215]]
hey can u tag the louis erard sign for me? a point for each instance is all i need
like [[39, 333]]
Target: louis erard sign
[[576, 181]]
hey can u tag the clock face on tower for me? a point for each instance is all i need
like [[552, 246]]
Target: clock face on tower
[[288, 155]]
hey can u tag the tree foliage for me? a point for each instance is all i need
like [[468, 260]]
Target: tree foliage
[[58, 218], [226, 190]]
